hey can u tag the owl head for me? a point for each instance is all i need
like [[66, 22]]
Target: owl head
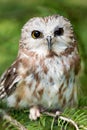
[[47, 34]]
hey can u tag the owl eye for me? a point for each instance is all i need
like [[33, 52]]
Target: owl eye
[[36, 34], [58, 32]]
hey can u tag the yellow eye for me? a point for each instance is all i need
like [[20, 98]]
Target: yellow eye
[[36, 34]]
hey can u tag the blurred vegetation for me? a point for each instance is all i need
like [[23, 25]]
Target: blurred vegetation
[[15, 13]]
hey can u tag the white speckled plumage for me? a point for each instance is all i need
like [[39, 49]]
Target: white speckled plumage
[[45, 69]]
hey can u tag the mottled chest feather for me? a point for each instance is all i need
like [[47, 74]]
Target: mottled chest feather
[[46, 83]]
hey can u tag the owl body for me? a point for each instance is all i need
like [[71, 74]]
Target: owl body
[[45, 69], [49, 81]]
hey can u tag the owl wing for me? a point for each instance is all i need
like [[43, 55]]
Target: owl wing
[[9, 80], [77, 61]]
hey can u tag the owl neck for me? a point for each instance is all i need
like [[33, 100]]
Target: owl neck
[[29, 53], [24, 52]]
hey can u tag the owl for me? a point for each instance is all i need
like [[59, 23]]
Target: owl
[[43, 76]]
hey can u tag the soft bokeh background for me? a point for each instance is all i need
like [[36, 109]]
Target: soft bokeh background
[[14, 13]]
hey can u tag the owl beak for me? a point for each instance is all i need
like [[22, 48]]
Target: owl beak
[[49, 39]]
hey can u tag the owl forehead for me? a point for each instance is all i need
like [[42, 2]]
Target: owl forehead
[[49, 23]]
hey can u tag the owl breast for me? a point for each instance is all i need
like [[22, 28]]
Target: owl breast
[[56, 85], [49, 82]]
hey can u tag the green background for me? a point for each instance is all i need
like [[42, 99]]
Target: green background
[[15, 13]]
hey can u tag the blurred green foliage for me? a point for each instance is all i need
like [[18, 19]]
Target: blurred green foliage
[[13, 15]]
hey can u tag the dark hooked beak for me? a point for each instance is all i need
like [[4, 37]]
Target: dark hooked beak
[[49, 39]]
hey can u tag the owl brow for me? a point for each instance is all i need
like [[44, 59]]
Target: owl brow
[[57, 27]]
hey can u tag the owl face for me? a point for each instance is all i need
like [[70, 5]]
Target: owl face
[[48, 34]]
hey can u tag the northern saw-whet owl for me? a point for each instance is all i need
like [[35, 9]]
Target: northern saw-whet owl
[[43, 74]]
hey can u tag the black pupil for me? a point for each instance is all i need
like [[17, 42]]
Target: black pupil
[[36, 34], [59, 32]]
